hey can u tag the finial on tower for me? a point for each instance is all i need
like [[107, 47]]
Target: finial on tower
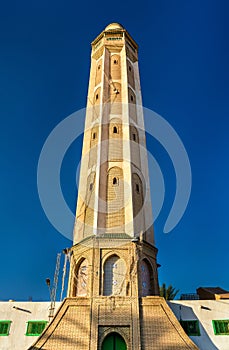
[[113, 26]]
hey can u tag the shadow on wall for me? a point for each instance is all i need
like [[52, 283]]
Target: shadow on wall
[[184, 312]]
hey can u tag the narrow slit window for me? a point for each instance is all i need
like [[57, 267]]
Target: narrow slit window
[[130, 68], [115, 181], [91, 186], [131, 97], [137, 188], [94, 135], [115, 62], [97, 96], [99, 67], [134, 137], [115, 130]]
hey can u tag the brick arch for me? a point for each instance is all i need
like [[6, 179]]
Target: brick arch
[[98, 74], [89, 202], [115, 122], [106, 330], [115, 200], [115, 140], [115, 98], [134, 146], [115, 66], [80, 278], [137, 192], [130, 74], [134, 136], [97, 96], [138, 202], [132, 104], [114, 275], [147, 276], [93, 145], [112, 341], [96, 103]]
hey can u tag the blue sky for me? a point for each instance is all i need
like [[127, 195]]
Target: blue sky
[[44, 71]]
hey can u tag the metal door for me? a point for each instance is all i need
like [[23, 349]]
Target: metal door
[[114, 341]]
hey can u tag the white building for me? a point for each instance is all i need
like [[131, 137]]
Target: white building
[[22, 322], [206, 320]]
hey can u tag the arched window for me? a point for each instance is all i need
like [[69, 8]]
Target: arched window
[[97, 96], [81, 278], [114, 276], [146, 278], [94, 135], [115, 61], [115, 130], [114, 341], [131, 97]]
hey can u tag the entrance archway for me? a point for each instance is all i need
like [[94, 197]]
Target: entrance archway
[[114, 341]]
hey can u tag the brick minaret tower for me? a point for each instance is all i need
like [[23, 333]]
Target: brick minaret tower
[[113, 289]]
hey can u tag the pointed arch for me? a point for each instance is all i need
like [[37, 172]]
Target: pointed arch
[[80, 278], [115, 98], [134, 136], [146, 274], [115, 140], [132, 104], [114, 275], [98, 74], [130, 74], [114, 341], [115, 66], [89, 203], [115, 200]]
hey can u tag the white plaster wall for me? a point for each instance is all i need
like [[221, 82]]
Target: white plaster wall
[[210, 310], [17, 340]]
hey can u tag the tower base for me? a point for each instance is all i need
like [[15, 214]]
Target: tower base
[[96, 323]]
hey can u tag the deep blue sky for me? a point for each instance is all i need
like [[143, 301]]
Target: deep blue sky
[[44, 71]]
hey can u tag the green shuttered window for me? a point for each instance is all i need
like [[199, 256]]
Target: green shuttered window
[[5, 327], [191, 327], [221, 327], [35, 328]]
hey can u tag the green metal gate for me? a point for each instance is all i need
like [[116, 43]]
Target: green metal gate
[[114, 341]]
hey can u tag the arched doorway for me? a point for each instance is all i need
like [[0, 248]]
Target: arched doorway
[[114, 341]]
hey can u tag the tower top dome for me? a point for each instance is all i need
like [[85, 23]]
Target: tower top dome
[[114, 26]]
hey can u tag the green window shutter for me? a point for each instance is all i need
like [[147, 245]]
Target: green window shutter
[[221, 327], [191, 327], [35, 328], [5, 327]]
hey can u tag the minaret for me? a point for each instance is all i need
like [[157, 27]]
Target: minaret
[[114, 195], [113, 300]]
